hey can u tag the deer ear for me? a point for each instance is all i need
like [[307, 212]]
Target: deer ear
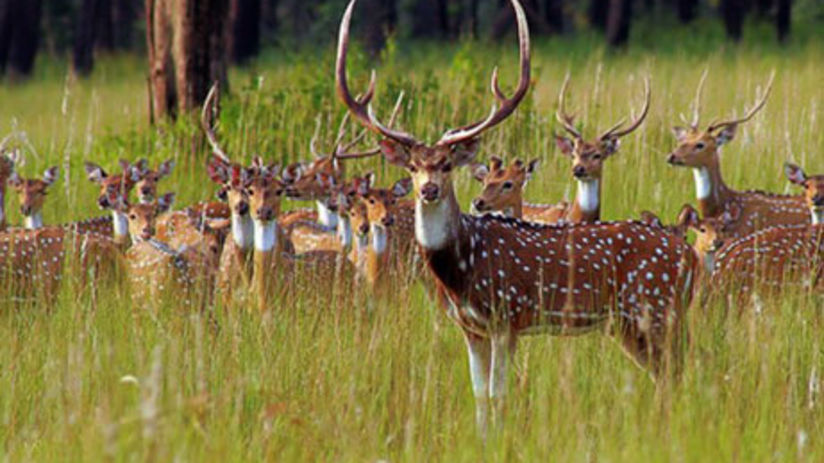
[[370, 179], [166, 168], [680, 133], [402, 187], [726, 135], [495, 163], [611, 145], [292, 173], [530, 168], [94, 172], [165, 202], [50, 175], [479, 171], [794, 173], [15, 180], [217, 173], [688, 217], [465, 152], [395, 153], [564, 144]]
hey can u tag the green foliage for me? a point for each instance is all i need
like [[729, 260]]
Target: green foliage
[[388, 378]]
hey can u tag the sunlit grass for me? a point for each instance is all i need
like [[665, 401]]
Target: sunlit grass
[[388, 378]]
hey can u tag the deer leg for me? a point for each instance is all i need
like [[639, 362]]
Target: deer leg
[[480, 351], [503, 346]]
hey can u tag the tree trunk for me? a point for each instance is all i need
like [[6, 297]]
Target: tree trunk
[[374, 15], [598, 10], [199, 49], [245, 36], [162, 94], [733, 13], [19, 33], [686, 10], [104, 25], [783, 17], [618, 22], [554, 15], [84, 33], [269, 19]]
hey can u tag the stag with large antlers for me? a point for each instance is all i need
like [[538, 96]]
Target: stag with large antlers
[[504, 278], [699, 149]]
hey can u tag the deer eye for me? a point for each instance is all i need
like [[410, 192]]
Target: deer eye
[[279, 192], [507, 185], [446, 167], [596, 156], [412, 169], [133, 217], [702, 229], [371, 200], [700, 146]]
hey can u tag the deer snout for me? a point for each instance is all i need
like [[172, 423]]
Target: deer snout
[[242, 208], [430, 191], [818, 200], [363, 228], [579, 171], [387, 221], [146, 192], [479, 204], [25, 209], [673, 159], [147, 233], [265, 214], [103, 202]]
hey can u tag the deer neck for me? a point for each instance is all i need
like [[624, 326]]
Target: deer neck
[[243, 231], [517, 209], [710, 189], [326, 217], [33, 221], [437, 225], [120, 228], [587, 206]]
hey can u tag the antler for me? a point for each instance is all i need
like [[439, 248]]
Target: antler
[[566, 120], [360, 107], [696, 103], [507, 105], [343, 152], [760, 104], [615, 133], [209, 111]]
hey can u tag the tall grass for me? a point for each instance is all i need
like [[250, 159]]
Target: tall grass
[[387, 378]]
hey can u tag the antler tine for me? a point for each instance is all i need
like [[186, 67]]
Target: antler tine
[[615, 133], [757, 107], [696, 103], [344, 152], [561, 115], [209, 111], [313, 142], [360, 107], [507, 105]]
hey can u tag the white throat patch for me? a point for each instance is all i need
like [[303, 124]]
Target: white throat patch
[[326, 217], [709, 262], [120, 224], [588, 195], [243, 230], [266, 235], [344, 231], [378, 239], [818, 217], [703, 184], [33, 222], [432, 227]]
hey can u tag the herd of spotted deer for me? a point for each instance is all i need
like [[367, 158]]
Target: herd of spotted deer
[[511, 268]]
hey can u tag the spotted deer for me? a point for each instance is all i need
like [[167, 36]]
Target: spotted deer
[[505, 278], [155, 268], [699, 149], [146, 186], [276, 271], [503, 189], [32, 194], [588, 157], [113, 188]]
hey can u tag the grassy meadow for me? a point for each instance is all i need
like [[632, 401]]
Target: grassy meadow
[[386, 379]]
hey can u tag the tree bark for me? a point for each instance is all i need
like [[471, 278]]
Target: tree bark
[[245, 38], [199, 49], [783, 19], [84, 34], [733, 13], [161, 82], [19, 34], [618, 21]]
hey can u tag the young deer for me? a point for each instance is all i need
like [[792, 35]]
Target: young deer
[[113, 189], [588, 158], [32, 194], [156, 268], [503, 190], [505, 278], [149, 179], [779, 256], [699, 150]]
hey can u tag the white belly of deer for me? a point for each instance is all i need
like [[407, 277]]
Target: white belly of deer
[[34, 221], [266, 236], [432, 227], [326, 217], [588, 195], [243, 231], [703, 184]]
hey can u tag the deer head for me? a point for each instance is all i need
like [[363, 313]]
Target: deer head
[[114, 187], [697, 147], [266, 193], [32, 194], [502, 186], [213, 233], [813, 190], [588, 156], [147, 185], [710, 232], [431, 166], [143, 216]]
